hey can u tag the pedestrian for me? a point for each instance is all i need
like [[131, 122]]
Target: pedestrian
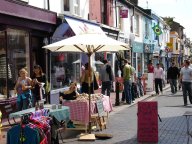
[[163, 77], [172, 76], [150, 67], [70, 94], [186, 77], [134, 90], [23, 89], [107, 78], [119, 72], [190, 64], [127, 73], [158, 75], [85, 80], [180, 81], [39, 84]]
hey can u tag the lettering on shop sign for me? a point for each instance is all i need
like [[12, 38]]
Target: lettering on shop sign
[[147, 122], [100, 109]]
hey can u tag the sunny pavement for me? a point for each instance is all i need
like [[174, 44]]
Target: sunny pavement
[[122, 123]]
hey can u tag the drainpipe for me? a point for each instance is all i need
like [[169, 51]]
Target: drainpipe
[[115, 13], [47, 60], [132, 32], [48, 5]]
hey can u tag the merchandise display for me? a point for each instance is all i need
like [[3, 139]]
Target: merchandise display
[[85, 97], [3, 73], [33, 129]]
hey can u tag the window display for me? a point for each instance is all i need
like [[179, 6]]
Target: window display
[[139, 64], [12, 59], [64, 69]]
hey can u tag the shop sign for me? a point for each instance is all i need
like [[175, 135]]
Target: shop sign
[[124, 13], [138, 47], [170, 46], [148, 48]]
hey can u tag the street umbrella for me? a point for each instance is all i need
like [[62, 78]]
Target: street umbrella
[[96, 62], [88, 43]]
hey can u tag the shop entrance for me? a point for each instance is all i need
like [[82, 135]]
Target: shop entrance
[[38, 54]]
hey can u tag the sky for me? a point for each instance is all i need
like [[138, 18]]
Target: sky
[[181, 10]]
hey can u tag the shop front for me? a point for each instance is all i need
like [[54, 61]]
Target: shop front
[[66, 67], [148, 55], [21, 38], [113, 33]]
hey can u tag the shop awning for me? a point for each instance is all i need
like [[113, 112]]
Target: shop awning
[[75, 26], [80, 26]]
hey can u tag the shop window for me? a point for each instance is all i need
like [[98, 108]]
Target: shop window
[[146, 29], [17, 57], [66, 5], [76, 6], [139, 64], [136, 24], [65, 68], [177, 46], [3, 68], [134, 60]]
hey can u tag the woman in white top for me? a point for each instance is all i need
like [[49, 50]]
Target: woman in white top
[[158, 76]]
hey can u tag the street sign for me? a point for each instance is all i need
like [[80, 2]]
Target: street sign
[[123, 13], [169, 44]]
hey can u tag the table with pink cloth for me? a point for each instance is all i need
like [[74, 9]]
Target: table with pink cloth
[[79, 110]]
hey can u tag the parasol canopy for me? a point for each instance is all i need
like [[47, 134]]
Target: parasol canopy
[[87, 43]]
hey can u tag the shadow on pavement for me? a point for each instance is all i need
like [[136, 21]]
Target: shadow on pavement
[[171, 130], [129, 141], [181, 106]]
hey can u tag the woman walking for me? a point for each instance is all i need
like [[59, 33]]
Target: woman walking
[[39, 81], [23, 89]]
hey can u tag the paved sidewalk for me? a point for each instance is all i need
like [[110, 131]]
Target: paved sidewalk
[[122, 123]]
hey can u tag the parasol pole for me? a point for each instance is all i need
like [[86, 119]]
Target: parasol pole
[[89, 136], [89, 90]]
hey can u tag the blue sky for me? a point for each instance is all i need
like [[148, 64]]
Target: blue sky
[[180, 9]]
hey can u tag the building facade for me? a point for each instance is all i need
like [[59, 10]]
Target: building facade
[[23, 30]]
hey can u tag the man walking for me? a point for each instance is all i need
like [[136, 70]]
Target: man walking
[[127, 73], [107, 77], [172, 76], [186, 77], [133, 86], [158, 75]]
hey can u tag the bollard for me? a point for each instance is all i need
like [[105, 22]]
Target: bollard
[[117, 84]]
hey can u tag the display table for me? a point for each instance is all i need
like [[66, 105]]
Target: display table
[[79, 110], [59, 114]]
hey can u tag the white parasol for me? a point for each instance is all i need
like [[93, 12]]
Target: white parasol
[[89, 44]]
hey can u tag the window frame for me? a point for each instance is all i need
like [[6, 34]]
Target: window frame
[[136, 24]]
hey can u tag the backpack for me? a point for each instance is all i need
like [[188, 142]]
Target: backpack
[[109, 71]]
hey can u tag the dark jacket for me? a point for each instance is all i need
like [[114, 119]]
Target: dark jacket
[[172, 73]]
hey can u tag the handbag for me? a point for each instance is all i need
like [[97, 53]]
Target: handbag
[[95, 84]]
